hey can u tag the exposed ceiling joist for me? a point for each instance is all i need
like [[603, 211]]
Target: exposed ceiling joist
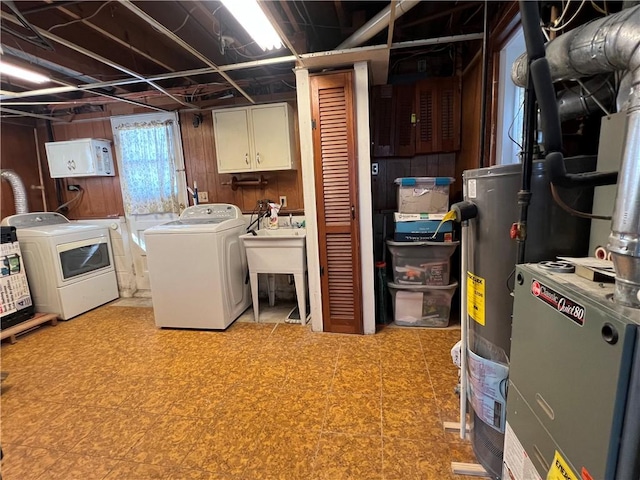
[[114, 38], [443, 13], [392, 21], [200, 71], [95, 56], [290, 16], [22, 113], [276, 22], [179, 41]]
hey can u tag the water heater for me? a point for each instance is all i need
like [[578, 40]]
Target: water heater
[[491, 268]]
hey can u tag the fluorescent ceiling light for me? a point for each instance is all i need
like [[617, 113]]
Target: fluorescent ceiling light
[[249, 14], [21, 73]]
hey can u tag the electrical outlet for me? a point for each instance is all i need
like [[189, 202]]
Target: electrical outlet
[[203, 197], [283, 201], [73, 188], [374, 169]]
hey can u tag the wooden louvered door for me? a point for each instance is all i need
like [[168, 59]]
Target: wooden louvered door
[[426, 106], [438, 107], [336, 196], [405, 126], [449, 114]]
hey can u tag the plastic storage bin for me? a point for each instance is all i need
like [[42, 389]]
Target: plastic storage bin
[[420, 305], [423, 194], [421, 263]]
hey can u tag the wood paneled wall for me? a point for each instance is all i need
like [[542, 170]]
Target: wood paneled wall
[[102, 197], [469, 155], [384, 190], [201, 165], [18, 153]]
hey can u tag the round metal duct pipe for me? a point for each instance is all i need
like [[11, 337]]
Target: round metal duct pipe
[[377, 24], [19, 192]]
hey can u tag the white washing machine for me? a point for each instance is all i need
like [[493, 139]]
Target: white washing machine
[[198, 268], [69, 265]]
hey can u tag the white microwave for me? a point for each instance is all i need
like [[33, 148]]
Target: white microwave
[[86, 157]]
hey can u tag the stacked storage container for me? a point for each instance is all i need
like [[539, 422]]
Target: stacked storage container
[[421, 251]]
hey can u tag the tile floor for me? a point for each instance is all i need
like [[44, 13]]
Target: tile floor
[[109, 396]]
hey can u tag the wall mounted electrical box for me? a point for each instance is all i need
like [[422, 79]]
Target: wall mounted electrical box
[[86, 157]]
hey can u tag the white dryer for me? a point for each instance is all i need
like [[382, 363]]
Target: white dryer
[[69, 265], [198, 268]]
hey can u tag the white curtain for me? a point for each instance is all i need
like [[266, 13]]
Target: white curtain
[[148, 167]]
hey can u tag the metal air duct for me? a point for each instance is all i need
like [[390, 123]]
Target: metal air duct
[[583, 101], [19, 192], [604, 45], [377, 24]]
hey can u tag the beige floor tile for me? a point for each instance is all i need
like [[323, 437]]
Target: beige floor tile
[[412, 418], [71, 466], [109, 394], [225, 448], [283, 455], [298, 410], [26, 463], [190, 474], [317, 377], [414, 460], [354, 414], [138, 471], [361, 379], [348, 457], [69, 427], [114, 437], [406, 382], [27, 419], [167, 442]]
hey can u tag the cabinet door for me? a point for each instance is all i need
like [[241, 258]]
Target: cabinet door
[[271, 140], [449, 114], [70, 159], [405, 126], [383, 124], [427, 110], [438, 105], [231, 128]]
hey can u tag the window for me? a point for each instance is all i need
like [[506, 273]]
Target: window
[[510, 104], [147, 154]]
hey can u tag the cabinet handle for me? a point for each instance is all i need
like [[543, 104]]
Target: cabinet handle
[[353, 212], [246, 158], [258, 157]]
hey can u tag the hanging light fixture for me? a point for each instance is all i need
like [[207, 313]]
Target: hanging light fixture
[[21, 73], [249, 14]]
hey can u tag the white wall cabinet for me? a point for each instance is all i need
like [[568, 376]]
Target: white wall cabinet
[[87, 157], [255, 139]]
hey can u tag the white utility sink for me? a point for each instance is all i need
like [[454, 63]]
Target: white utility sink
[[275, 251]]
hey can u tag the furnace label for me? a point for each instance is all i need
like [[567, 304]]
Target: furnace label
[[475, 297], [564, 305]]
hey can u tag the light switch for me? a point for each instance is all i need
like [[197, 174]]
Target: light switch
[[203, 197]]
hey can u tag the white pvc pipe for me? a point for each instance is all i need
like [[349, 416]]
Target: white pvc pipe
[[464, 330]]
